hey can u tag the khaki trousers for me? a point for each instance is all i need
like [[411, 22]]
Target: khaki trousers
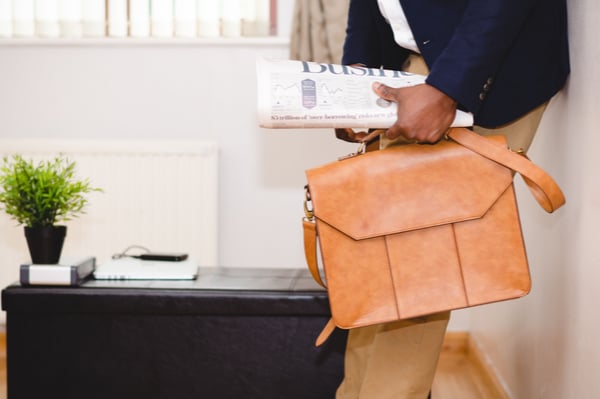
[[398, 360]]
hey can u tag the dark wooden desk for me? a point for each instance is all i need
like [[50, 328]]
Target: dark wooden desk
[[232, 333]]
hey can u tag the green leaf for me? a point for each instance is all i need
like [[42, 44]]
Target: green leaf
[[42, 194]]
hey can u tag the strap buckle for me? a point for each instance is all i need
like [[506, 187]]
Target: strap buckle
[[308, 209]]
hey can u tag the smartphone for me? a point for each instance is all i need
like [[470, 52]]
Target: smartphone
[[164, 256]]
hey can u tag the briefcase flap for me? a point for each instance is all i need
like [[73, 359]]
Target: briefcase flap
[[406, 187]]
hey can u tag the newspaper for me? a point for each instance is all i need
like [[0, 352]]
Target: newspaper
[[301, 94]]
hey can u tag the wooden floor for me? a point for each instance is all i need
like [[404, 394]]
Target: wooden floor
[[461, 374]]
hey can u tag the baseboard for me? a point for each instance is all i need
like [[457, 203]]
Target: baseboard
[[462, 343], [456, 343], [488, 373]]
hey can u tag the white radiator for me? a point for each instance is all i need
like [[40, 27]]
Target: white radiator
[[160, 194]]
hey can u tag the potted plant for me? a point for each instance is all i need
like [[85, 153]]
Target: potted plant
[[39, 196]]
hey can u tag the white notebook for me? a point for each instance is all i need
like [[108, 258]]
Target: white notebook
[[135, 269]]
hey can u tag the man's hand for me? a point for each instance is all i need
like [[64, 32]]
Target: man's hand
[[424, 112]]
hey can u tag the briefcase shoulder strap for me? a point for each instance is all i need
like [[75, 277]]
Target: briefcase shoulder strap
[[310, 249], [545, 190]]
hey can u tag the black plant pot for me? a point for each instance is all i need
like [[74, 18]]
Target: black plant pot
[[45, 243]]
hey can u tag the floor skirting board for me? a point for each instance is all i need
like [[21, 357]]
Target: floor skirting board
[[464, 372]]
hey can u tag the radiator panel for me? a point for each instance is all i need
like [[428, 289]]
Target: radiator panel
[[160, 194]]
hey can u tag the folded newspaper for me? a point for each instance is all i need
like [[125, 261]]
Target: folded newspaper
[[301, 94]]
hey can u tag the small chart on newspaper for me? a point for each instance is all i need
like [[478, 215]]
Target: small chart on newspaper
[[302, 94]]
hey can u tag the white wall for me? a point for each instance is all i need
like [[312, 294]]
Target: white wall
[[176, 91], [546, 345]]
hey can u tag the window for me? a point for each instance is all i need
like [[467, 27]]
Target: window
[[139, 18]]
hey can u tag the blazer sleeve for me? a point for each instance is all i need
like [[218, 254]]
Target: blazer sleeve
[[466, 66]]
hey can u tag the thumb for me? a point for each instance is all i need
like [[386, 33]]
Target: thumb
[[384, 91]]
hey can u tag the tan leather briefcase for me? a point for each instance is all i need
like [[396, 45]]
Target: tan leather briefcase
[[419, 229]]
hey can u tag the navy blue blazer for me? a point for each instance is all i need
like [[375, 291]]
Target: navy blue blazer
[[498, 59]]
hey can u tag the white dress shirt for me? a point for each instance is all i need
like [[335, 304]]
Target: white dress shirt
[[393, 13]]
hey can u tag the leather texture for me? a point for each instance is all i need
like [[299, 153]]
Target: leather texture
[[419, 229]]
